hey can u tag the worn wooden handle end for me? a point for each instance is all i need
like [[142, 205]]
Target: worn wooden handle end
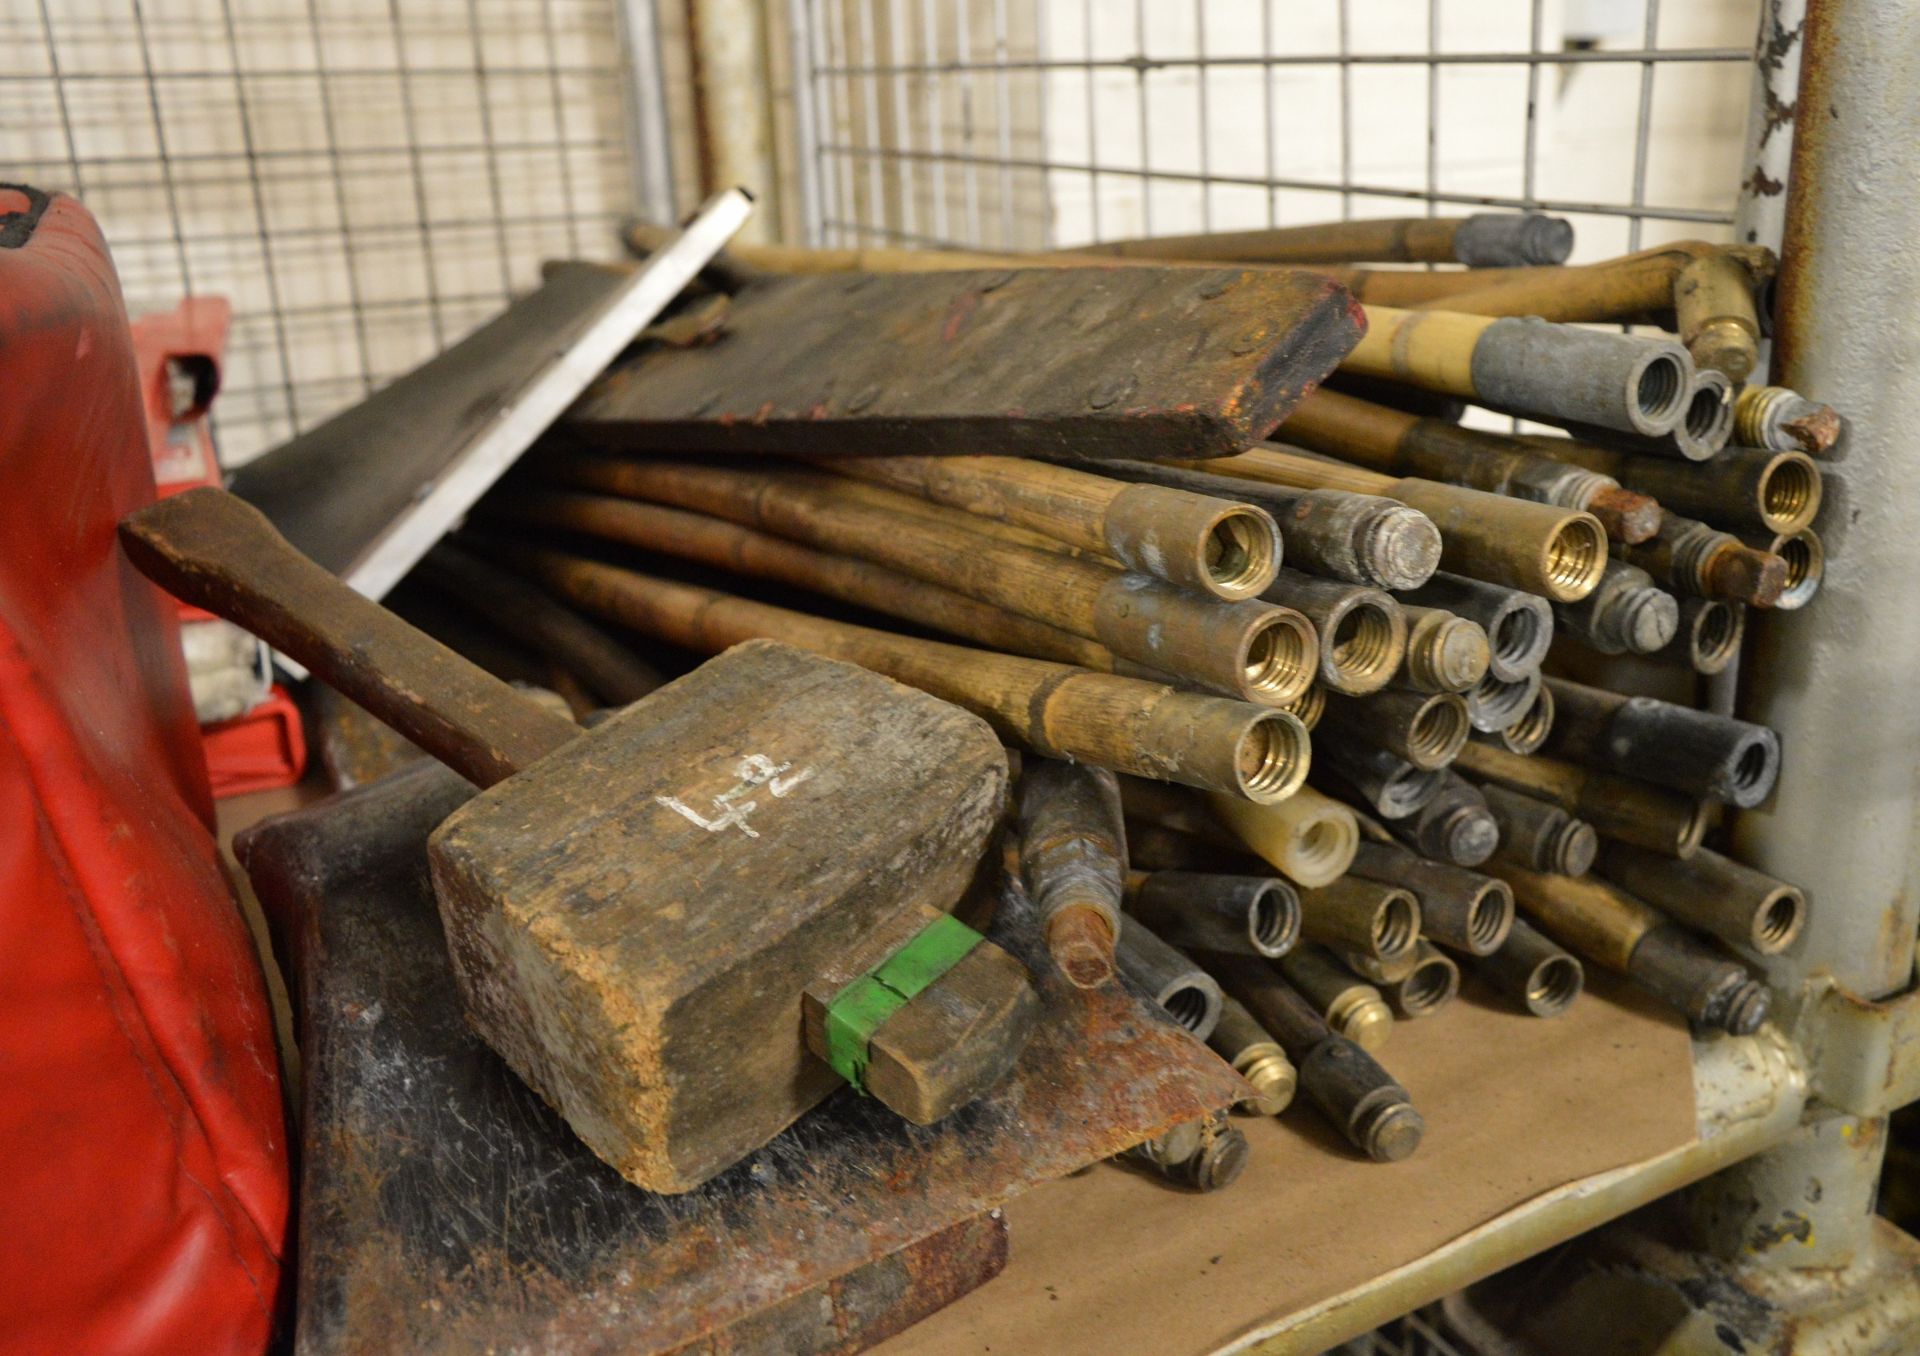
[[953, 1037], [218, 552], [956, 1039]]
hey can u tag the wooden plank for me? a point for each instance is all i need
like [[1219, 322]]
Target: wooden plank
[[1152, 363]]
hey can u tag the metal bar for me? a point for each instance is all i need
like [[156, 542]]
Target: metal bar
[[969, 177], [1761, 216], [302, 72], [1206, 150], [267, 155], [367, 233], [492, 156], [1346, 109], [1042, 125], [268, 266], [1845, 334], [902, 117], [1140, 100], [1643, 127], [1433, 104], [839, 102], [415, 171], [339, 198], [936, 132], [559, 119], [1270, 141], [1845, 826], [1003, 91], [645, 84], [807, 158], [877, 196], [1093, 124], [1692, 214], [1530, 164], [160, 144], [60, 99], [1596, 57]]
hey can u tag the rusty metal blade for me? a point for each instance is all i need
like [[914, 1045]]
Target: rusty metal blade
[[445, 1207], [366, 493], [1096, 362], [871, 1303]]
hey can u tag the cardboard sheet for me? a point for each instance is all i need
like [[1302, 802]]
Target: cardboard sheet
[[1117, 1262]]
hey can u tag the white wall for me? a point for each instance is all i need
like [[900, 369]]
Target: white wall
[[1285, 121]]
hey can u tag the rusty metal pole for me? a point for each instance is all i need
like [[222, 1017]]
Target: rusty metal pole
[[733, 113], [1843, 825], [1786, 1254], [1760, 218]]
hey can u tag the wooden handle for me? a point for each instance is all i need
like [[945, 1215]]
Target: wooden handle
[[952, 1041], [220, 553]]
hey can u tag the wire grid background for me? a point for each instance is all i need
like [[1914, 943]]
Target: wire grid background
[[1023, 124], [1424, 1333], [365, 180]]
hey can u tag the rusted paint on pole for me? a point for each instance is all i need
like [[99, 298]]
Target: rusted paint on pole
[[1843, 824]]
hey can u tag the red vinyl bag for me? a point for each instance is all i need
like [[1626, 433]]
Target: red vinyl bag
[[143, 1154]]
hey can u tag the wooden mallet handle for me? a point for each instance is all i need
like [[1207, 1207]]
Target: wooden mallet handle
[[217, 552]]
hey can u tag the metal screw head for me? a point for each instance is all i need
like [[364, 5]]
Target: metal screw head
[[1112, 389], [862, 398], [1214, 285], [1394, 1133]]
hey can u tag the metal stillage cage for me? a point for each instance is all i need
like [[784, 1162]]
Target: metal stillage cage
[[365, 182], [1028, 123], [370, 179]]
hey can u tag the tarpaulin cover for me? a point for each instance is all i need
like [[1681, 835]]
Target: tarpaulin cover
[[143, 1163]]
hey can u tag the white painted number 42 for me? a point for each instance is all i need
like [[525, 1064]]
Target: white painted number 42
[[730, 809]]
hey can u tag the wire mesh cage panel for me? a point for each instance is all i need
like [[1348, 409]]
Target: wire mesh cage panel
[[365, 180], [1419, 1334], [1018, 124]]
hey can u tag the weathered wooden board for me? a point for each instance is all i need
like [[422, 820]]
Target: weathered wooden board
[[1152, 363], [446, 1208]]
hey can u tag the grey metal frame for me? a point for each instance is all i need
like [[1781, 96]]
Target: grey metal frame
[[1837, 679]]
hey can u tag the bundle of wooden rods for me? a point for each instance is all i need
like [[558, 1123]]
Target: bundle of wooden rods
[[1505, 643]]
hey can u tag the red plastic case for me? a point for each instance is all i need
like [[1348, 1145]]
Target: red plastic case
[[143, 1159]]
